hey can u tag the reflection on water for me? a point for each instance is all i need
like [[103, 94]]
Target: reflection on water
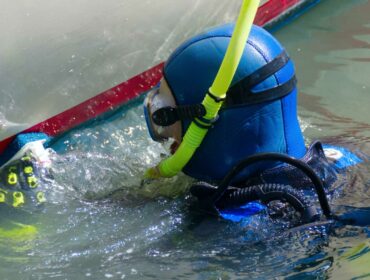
[[100, 223]]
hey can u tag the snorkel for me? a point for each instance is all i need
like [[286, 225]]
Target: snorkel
[[213, 99]]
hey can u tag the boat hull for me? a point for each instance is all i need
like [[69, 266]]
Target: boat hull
[[58, 62]]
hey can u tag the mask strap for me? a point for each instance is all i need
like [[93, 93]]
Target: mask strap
[[261, 74], [168, 115], [267, 95]]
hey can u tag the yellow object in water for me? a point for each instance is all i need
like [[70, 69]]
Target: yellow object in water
[[2, 197], [40, 196], [12, 179], [18, 199], [32, 182], [19, 232], [353, 264]]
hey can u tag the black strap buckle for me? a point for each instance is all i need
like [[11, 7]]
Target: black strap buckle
[[168, 115]]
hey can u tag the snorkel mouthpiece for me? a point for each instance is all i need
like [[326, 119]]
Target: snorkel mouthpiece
[[198, 128]]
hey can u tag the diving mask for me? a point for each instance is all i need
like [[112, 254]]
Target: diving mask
[[157, 99]]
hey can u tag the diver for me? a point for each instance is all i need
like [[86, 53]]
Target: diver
[[257, 121]]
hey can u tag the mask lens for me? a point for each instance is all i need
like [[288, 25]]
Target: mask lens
[[150, 106], [158, 98]]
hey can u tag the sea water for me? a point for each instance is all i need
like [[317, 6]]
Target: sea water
[[102, 221]]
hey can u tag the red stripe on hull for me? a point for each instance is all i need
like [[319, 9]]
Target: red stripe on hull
[[95, 106], [272, 9], [100, 104]]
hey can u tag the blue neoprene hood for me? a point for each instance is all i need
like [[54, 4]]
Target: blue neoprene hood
[[243, 130]]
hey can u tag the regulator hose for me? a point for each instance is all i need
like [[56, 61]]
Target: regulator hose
[[210, 201], [265, 193]]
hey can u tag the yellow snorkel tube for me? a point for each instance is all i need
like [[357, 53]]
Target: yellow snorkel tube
[[195, 134]]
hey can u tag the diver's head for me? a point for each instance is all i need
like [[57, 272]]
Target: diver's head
[[258, 115]]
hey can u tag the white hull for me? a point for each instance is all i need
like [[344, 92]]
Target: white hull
[[55, 55]]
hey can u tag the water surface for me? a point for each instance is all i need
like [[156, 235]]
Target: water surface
[[101, 222]]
